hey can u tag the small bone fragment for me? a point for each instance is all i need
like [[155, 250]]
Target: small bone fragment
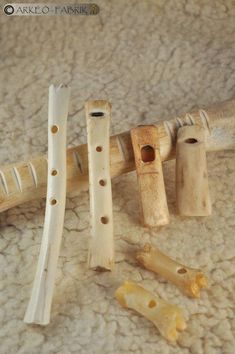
[[153, 203], [166, 317], [192, 190], [189, 280], [39, 306], [101, 252]]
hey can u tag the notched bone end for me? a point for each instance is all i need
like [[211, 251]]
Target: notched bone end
[[144, 255], [195, 283], [100, 262], [172, 322]]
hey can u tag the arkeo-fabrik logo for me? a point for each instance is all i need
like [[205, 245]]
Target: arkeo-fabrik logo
[[50, 9], [8, 10]]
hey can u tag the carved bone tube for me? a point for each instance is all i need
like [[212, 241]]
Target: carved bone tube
[[24, 181], [39, 306], [153, 203], [189, 280], [192, 190], [101, 253], [166, 317]]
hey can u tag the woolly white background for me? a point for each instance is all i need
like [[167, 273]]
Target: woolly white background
[[152, 60]]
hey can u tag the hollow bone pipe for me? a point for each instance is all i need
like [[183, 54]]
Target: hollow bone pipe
[[192, 187], [25, 181], [101, 252], [39, 306]]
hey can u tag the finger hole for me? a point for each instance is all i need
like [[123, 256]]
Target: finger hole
[[102, 182], [54, 129], [54, 172], [182, 271], [152, 303], [53, 201], [104, 220]]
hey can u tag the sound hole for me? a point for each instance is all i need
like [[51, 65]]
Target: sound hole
[[97, 114], [191, 141], [147, 153]]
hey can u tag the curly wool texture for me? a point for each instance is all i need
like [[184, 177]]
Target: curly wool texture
[[152, 60]]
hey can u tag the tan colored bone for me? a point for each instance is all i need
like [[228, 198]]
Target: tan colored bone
[[153, 203], [189, 280], [166, 317], [192, 190]]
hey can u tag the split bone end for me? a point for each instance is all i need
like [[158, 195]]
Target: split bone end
[[189, 280], [166, 317]]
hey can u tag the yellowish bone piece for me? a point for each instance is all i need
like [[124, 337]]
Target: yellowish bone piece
[[189, 280], [166, 317]]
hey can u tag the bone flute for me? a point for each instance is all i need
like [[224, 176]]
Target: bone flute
[[101, 252], [188, 280], [168, 318], [38, 310], [25, 181]]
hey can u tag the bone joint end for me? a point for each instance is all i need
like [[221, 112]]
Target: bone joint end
[[189, 280], [166, 317]]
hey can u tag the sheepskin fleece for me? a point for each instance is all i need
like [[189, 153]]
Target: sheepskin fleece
[[152, 60]]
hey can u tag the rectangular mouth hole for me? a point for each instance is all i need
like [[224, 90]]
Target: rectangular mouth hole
[[147, 153], [97, 114]]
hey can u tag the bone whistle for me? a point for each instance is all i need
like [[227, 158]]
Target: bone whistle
[[166, 317], [38, 310], [192, 190], [188, 280], [101, 252], [218, 120], [152, 195]]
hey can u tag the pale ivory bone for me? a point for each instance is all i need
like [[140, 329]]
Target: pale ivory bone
[[166, 317], [101, 252], [152, 195], [189, 280], [31, 178], [192, 190], [39, 306]]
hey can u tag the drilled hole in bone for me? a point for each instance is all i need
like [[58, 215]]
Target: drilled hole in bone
[[147, 153], [102, 182], [182, 271], [191, 141], [53, 201], [54, 129], [54, 172], [152, 303], [99, 148], [97, 114], [104, 220]]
